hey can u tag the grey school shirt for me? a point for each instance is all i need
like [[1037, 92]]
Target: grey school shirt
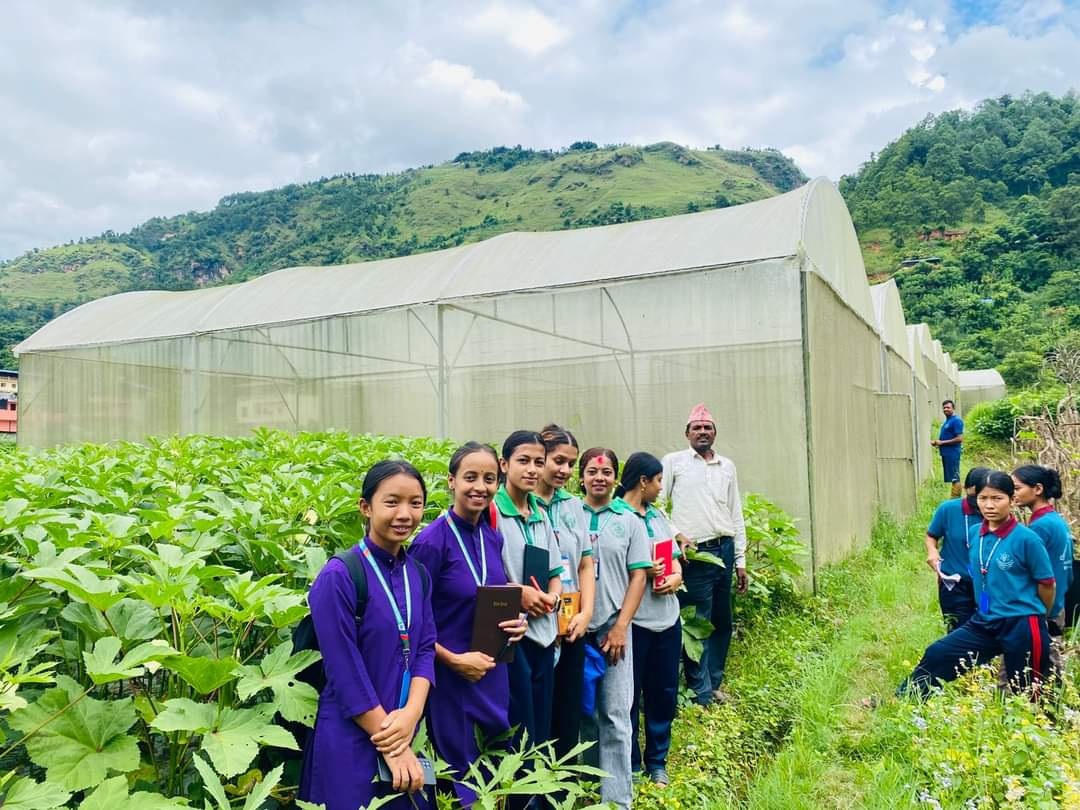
[[619, 546], [517, 532], [568, 522], [657, 611]]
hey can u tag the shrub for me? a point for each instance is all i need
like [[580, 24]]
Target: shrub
[[997, 420]]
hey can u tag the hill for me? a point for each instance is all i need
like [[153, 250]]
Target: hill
[[358, 217], [977, 214]]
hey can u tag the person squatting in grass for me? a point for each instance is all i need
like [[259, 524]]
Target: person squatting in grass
[[949, 443], [462, 552], [951, 525], [523, 525], [379, 671], [622, 559], [1037, 488], [1014, 589], [657, 631], [567, 520]]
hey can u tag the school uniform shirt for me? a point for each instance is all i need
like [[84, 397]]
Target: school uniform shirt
[[950, 429], [458, 707], [364, 665], [952, 524], [657, 611], [703, 498], [567, 521], [518, 532], [619, 546], [1054, 532], [1016, 561]]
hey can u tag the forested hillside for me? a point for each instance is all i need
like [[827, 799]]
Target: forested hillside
[[978, 216], [357, 217]]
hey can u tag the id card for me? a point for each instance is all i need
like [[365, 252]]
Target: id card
[[984, 602], [406, 681]]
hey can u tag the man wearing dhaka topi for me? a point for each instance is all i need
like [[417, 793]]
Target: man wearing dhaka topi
[[702, 492]]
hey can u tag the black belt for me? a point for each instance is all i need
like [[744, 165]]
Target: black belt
[[712, 542]]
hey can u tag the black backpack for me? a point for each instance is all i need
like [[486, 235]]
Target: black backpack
[[304, 637]]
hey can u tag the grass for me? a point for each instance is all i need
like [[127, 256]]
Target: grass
[[800, 731]]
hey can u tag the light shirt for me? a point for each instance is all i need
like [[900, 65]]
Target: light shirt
[[703, 498], [619, 546], [518, 532], [565, 514], [657, 612]]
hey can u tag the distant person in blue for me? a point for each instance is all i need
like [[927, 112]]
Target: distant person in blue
[[378, 671], [1014, 589], [948, 442], [1037, 488], [951, 526]]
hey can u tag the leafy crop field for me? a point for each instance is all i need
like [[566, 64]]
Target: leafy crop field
[[147, 598]]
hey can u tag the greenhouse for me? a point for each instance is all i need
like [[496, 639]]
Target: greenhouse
[[761, 310], [897, 450], [981, 385]]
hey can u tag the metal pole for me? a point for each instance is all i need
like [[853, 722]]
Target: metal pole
[[444, 415]]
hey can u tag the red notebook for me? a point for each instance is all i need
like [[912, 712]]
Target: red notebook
[[664, 550]]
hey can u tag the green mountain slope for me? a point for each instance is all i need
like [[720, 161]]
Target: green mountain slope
[[359, 217], [978, 216]]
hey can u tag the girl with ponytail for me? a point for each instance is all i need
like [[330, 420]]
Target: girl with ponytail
[[1036, 489], [657, 631]]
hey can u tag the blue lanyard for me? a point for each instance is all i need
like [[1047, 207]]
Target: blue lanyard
[[480, 579], [594, 536], [402, 623]]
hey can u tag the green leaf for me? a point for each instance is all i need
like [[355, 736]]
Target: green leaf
[[297, 701], [79, 744], [134, 620], [300, 803], [80, 583], [26, 794], [102, 667], [204, 675], [234, 742], [112, 794], [211, 783], [181, 714], [262, 791]]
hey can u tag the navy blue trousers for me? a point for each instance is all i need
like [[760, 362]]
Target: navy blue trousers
[[532, 678], [656, 691], [569, 684], [957, 605], [1023, 641], [950, 466], [708, 589]]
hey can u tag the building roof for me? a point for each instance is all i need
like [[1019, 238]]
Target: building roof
[[982, 378], [811, 223]]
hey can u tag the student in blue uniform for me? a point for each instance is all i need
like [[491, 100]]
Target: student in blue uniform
[[657, 633], [1014, 588], [949, 441], [621, 557], [564, 513], [462, 552], [951, 525], [1036, 489], [378, 671], [522, 523]]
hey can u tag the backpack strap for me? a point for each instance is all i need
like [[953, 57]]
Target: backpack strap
[[359, 578]]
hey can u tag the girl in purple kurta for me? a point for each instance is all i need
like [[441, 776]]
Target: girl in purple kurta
[[462, 551], [376, 681]]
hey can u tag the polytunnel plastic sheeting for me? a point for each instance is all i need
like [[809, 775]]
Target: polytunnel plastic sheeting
[[981, 385], [811, 220], [844, 374], [895, 454], [889, 316]]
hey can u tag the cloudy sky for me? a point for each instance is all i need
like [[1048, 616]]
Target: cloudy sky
[[113, 112]]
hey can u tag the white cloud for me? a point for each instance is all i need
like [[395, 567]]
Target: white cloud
[[116, 111], [525, 28]]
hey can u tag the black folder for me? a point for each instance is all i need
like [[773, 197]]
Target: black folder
[[537, 565], [495, 604]]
